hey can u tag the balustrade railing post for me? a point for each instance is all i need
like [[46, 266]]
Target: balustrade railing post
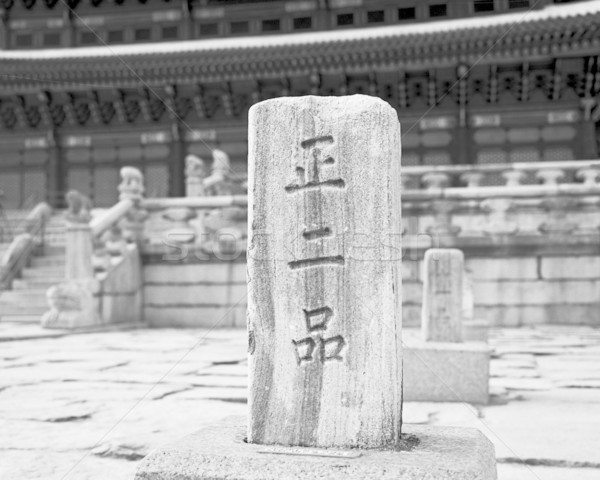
[[435, 180], [589, 175], [472, 179], [551, 176], [499, 223], [513, 178], [79, 238], [73, 303], [132, 188]]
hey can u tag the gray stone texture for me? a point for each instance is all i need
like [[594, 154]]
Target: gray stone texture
[[544, 409], [443, 295], [446, 372], [324, 272], [221, 453]]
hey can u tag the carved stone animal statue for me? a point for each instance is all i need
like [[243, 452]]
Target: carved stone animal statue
[[195, 167], [132, 184], [79, 207]]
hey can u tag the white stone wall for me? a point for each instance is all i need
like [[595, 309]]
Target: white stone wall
[[206, 294], [508, 291], [534, 290]]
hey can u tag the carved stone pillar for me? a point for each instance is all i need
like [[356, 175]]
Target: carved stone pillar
[[79, 251], [73, 302], [132, 188], [195, 173], [79, 239]]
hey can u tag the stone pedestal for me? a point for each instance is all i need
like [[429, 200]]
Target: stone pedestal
[[446, 372], [79, 252], [476, 330], [220, 452]]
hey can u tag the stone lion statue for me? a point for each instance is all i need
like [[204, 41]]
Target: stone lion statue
[[71, 305], [132, 184], [79, 207]]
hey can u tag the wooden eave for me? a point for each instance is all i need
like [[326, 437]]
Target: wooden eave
[[531, 35]]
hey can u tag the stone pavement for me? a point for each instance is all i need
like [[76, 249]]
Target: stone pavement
[[89, 406]]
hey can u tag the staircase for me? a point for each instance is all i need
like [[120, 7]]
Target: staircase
[[26, 302]]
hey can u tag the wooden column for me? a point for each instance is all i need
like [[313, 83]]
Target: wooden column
[[587, 131], [56, 172], [177, 162]]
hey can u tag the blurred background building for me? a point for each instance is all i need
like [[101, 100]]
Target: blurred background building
[[88, 86]]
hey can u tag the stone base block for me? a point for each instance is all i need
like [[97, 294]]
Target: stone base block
[[220, 453], [475, 330], [446, 372]]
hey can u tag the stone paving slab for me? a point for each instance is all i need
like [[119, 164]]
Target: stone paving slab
[[97, 402], [520, 472]]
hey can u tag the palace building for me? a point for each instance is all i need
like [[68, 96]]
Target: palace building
[[89, 86]]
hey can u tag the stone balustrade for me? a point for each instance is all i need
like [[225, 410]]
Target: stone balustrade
[[19, 251], [564, 201], [510, 175], [193, 248], [518, 234], [103, 282], [434, 177]]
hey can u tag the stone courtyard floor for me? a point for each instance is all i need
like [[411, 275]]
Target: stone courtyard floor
[[90, 406]]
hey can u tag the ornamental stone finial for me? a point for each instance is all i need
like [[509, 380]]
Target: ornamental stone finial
[[79, 207], [514, 178], [589, 175]]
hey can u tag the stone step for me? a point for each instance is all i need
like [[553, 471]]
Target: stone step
[[10, 309], [48, 261], [50, 250], [23, 318], [43, 272], [36, 283], [23, 298]]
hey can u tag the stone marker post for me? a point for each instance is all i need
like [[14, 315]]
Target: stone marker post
[[324, 313], [324, 280], [442, 311]]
